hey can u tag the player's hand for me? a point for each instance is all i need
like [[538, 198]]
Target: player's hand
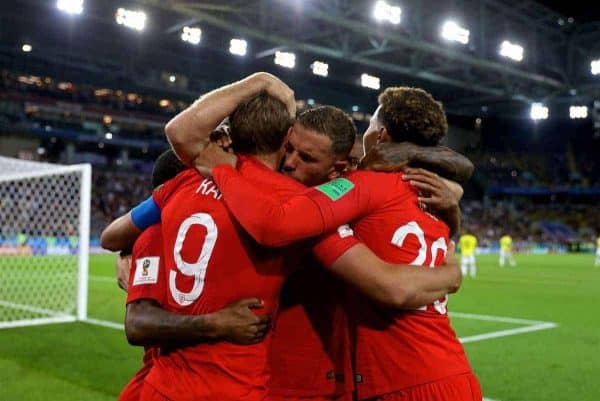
[[221, 137], [237, 322], [123, 267], [211, 156], [454, 268], [435, 193], [279, 90]]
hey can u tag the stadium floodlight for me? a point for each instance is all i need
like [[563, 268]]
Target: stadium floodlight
[[285, 59], [26, 48], [191, 35], [538, 111], [131, 19], [454, 32], [70, 6], [238, 47], [320, 68], [511, 50], [369, 81], [595, 67], [172, 78], [386, 12], [578, 112]]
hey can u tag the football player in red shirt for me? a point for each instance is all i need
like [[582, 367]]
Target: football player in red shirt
[[146, 295], [307, 383], [209, 190], [417, 354]]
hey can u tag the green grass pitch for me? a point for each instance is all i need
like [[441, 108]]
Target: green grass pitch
[[79, 361]]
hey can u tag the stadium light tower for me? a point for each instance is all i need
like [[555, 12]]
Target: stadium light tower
[[595, 67], [131, 19], [70, 6], [454, 32], [386, 12], [538, 111], [191, 35], [369, 81], [578, 112], [238, 47], [511, 50], [320, 68], [285, 59]]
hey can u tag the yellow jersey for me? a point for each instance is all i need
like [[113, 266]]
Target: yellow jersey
[[505, 242], [467, 244]]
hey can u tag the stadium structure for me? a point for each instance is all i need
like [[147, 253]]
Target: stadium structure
[[87, 86]]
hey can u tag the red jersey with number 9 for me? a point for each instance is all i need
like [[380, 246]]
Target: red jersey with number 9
[[211, 262]]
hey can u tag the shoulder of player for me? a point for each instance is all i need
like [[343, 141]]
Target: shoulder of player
[[170, 185], [259, 174], [391, 184]]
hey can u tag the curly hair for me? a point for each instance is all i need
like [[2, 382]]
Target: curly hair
[[412, 115]]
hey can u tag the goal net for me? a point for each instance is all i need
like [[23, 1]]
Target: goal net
[[44, 242]]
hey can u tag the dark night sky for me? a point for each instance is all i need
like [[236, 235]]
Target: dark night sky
[[582, 11]]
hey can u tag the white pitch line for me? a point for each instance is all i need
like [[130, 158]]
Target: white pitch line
[[103, 278], [495, 318], [488, 399], [104, 323], [511, 332], [33, 309]]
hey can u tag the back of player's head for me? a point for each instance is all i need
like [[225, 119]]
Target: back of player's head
[[412, 115], [335, 124], [166, 166], [259, 125]]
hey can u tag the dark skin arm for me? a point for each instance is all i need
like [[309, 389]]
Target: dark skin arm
[[441, 160], [146, 323], [440, 195]]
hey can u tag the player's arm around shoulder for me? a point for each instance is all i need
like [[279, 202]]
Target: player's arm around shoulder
[[398, 286], [147, 323], [189, 131]]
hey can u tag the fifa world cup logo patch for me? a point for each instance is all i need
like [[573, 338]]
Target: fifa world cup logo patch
[[146, 270], [145, 267]]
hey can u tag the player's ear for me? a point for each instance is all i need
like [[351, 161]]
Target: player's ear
[[383, 135], [339, 167]]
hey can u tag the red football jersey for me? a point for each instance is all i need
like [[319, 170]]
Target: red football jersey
[[310, 352], [393, 350], [146, 281], [211, 262], [397, 350]]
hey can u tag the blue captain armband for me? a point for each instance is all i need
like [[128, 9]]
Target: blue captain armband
[[145, 214]]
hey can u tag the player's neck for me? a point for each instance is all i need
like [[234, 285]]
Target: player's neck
[[271, 160]]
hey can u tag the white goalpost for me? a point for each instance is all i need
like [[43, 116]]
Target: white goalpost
[[44, 242]]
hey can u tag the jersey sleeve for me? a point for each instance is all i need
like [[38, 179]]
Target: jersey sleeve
[[146, 277], [276, 222], [331, 246]]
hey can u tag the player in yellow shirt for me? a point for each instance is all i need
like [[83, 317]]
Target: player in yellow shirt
[[468, 244], [506, 250], [597, 263]]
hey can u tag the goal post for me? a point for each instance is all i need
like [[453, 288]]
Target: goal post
[[44, 242]]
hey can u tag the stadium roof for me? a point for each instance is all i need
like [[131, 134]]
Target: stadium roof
[[343, 33]]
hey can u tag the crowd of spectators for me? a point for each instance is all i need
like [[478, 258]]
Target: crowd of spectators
[[99, 110]]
